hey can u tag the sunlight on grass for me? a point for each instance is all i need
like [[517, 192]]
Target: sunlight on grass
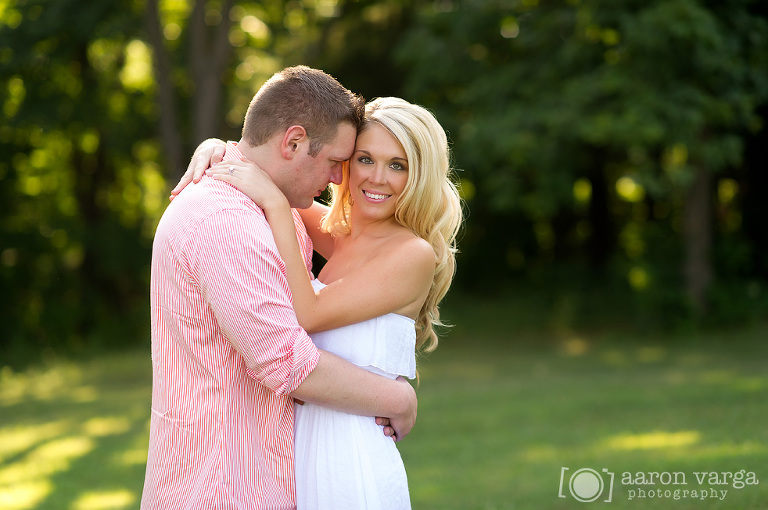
[[717, 377], [24, 495], [650, 354], [108, 499], [17, 439], [46, 459], [74, 434], [84, 394], [750, 384], [540, 453], [26, 482], [105, 426], [137, 457], [497, 420], [55, 455], [575, 346], [20, 485], [731, 449], [653, 440], [615, 358], [44, 384]]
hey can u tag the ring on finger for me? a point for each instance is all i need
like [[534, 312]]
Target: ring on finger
[[231, 170]]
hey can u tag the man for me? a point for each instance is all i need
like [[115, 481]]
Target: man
[[227, 351]]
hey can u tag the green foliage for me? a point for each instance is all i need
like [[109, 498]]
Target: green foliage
[[625, 101], [75, 194], [577, 128]]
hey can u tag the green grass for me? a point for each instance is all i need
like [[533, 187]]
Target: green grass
[[74, 435], [504, 409], [504, 406]]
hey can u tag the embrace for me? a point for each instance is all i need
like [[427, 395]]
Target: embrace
[[273, 389]]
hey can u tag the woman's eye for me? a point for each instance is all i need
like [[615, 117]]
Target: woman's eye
[[365, 159], [397, 166]]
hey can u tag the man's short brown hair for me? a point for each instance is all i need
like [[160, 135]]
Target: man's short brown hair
[[301, 96]]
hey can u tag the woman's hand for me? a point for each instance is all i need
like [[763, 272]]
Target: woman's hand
[[251, 180], [207, 154]]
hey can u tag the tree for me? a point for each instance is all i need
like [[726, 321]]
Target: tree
[[609, 135], [208, 44], [78, 196], [85, 174], [211, 56], [650, 97]]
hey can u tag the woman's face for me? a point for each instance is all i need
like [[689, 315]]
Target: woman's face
[[378, 172]]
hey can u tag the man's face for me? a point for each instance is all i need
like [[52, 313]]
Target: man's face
[[311, 175]]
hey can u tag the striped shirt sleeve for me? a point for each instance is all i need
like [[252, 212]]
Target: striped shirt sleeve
[[242, 278]]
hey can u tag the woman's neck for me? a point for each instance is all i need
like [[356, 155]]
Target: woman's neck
[[364, 227]]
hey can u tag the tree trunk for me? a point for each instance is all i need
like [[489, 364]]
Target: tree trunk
[[166, 97], [208, 58], [602, 242], [698, 240], [754, 184]]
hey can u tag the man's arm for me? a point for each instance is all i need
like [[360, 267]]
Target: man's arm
[[242, 282], [340, 385]]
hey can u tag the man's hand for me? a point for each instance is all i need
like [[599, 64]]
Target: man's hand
[[340, 385], [207, 154], [400, 426], [384, 422]]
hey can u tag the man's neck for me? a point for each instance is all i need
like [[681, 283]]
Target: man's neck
[[259, 155]]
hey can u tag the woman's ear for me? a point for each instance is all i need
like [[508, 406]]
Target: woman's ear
[[293, 139]]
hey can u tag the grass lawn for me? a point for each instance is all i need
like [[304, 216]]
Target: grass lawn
[[504, 414]]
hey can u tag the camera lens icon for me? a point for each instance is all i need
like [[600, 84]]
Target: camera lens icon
[[586, 484]]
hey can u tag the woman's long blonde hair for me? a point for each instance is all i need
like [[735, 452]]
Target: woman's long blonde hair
[[429, 205]]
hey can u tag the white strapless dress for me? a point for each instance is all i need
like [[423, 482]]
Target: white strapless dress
[[344, 461]]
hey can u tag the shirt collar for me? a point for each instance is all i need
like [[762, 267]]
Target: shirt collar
[[232, 152]]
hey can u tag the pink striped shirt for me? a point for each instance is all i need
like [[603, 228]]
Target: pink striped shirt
[[227, 351]]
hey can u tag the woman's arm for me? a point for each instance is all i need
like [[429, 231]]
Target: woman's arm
[[208, 153], [313, 218], [396, 280], [211, 152], [254, 182]]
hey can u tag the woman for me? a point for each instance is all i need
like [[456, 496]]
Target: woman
[[389, 240]]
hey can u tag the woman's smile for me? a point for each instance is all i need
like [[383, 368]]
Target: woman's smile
[[378, 171], [377, 197]]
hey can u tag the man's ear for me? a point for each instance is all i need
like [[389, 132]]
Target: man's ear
[[293, 139]]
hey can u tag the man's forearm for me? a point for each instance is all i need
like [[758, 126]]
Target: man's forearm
[[340, 385]]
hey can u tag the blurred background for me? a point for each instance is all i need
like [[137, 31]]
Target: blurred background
[[610, 303], [612, 155]]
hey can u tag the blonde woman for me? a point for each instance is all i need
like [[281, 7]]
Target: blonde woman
[[389, 239]]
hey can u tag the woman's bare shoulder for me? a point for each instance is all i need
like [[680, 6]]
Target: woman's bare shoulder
[[408, 248]]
